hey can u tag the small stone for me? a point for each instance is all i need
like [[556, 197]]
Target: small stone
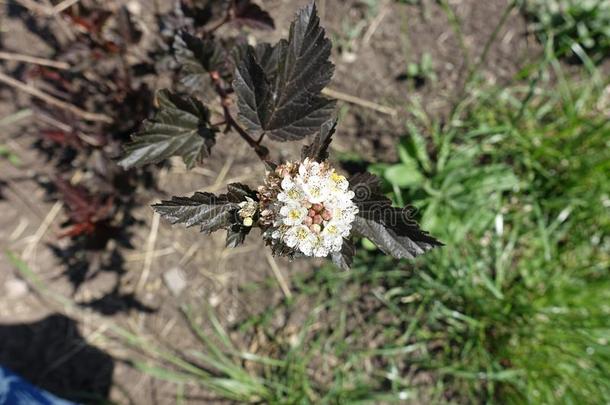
[[349, 57], [15, 288], [175, 281]]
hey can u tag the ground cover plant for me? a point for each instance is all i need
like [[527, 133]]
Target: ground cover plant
[[575, 29]]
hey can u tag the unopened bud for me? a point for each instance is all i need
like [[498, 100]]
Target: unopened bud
[[315, 228], [327, 215], [308, 221], [317, 219]]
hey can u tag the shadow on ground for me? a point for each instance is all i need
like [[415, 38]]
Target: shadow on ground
[[53, 355]]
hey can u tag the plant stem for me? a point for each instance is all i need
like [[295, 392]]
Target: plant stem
[[218, 24], [33, 91]]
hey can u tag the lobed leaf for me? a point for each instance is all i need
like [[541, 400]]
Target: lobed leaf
[[198, 57], [180, 127], [203, 12], [345, 257], [211, 212], [207, 210], [279, 88], [390, 228], [251, 15], [236, 235], [318, 149], [238, 192]]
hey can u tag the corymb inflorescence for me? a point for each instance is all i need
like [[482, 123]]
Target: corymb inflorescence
[[308, 207]]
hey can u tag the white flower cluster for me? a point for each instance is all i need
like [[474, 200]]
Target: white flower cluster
[[316, 210]]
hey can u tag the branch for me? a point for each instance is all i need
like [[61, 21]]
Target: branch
[[218, 24], [35, 60], [360, 102], [54, 101]]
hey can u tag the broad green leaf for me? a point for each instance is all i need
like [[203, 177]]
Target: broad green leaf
[[368, 245], [283, 99], [403, 175], [180, 127]]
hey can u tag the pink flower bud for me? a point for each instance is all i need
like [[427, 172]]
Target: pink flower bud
[[318, 207], [327, 215], [312, 213], [315, 228], [317, 219], [308, 221]]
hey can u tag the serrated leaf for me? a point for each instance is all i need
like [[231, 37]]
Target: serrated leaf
[[204, 11], [345, 257], [236, 235], [280, 249], [198, 57], [318, 149], [207, 210], [251, 15], [390, 228], [284, 99], [268, 56], [180, 127], [237, 192]]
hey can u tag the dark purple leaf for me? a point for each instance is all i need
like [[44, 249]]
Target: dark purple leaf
[[251, 15], [179, 128], [318, 150], [279, 88], [390, 228]]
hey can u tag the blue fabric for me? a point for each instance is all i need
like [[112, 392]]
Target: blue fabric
[[16, 391]]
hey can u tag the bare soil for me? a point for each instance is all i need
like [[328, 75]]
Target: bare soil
[[65, 351]]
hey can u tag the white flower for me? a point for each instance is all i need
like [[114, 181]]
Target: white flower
[[291, 192], [316, 189], [293, 214], [314, 209]]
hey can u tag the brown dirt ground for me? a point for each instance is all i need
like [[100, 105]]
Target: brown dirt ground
[[369, 62]]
